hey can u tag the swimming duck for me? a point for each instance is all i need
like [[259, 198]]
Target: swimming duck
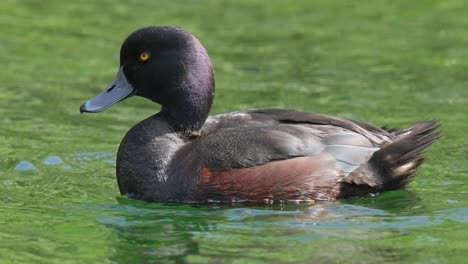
[[183, 155]]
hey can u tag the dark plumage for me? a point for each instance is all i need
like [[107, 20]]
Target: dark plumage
[[182, 155]]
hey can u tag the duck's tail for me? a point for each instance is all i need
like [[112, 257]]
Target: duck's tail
[[393, 166]]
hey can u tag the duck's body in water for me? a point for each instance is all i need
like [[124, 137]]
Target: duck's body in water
[[182, 155]]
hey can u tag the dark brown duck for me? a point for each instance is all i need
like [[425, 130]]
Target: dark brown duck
[[183, 155]]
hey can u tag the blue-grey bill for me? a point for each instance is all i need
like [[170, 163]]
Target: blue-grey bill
[[118, 90]]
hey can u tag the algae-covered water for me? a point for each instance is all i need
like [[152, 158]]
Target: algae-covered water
[[387, 62]]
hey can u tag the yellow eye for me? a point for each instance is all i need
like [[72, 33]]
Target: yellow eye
[[144, 56]]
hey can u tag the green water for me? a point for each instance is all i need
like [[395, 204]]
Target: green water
[[386, 62]]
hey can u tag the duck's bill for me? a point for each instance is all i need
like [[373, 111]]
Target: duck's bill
[[118, 90]]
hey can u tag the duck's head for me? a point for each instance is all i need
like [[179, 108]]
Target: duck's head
[[167, 65]]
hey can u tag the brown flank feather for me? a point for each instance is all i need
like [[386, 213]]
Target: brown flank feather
[[297, 179]]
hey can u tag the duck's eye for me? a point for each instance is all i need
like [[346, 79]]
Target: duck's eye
[[144, 56]]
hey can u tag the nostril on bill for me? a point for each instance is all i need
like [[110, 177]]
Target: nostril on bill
[[111, 88]]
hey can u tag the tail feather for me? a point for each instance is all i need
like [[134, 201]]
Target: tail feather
[[410, 144], [393, 166]]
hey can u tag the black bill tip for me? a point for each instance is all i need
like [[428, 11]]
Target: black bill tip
[[83, 109]]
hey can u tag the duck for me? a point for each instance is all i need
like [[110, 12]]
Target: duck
[[183, 155]]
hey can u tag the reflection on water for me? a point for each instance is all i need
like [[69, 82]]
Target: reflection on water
[[81, 160], [140, 232], [25, 165]]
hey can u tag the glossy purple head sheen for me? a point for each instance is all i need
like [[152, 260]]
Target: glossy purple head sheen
[[178, 74]]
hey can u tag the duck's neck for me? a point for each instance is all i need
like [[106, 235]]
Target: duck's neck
[[189, 108], [187, 119]]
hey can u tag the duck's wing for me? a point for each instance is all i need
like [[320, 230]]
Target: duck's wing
[[256, 137]]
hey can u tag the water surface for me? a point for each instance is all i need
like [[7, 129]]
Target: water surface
[[386, 62]]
